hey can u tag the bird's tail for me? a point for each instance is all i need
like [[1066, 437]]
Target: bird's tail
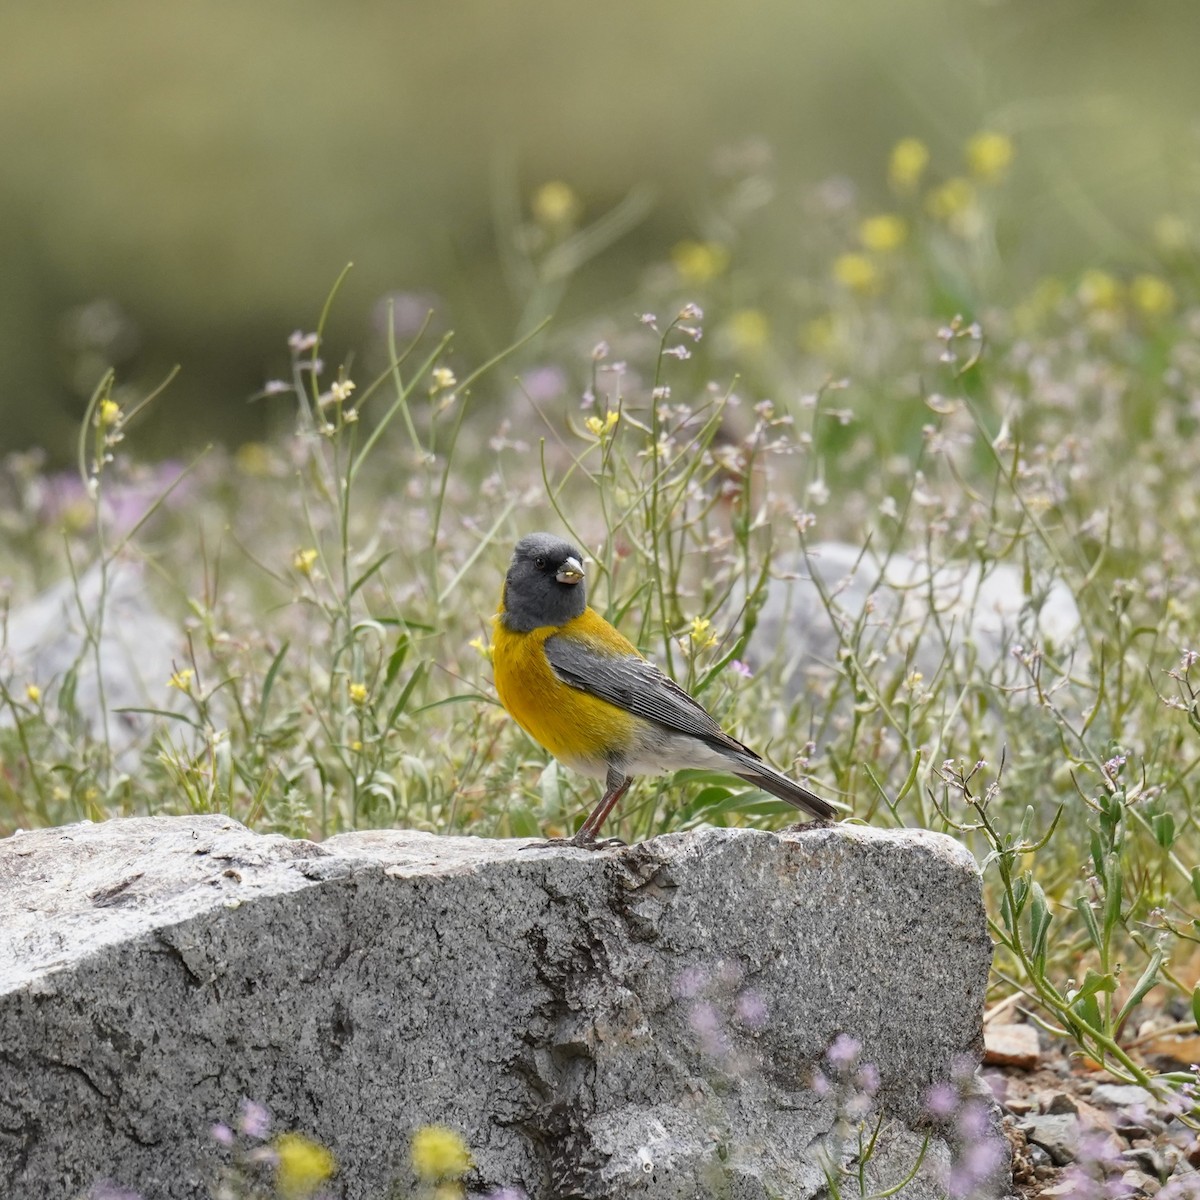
[[765, 776]]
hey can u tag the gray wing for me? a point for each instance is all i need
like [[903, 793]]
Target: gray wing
[[638, 686]]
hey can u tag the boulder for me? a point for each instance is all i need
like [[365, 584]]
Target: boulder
[[644, 1021]]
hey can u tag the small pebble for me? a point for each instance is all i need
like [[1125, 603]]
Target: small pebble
[[1011, 1046]]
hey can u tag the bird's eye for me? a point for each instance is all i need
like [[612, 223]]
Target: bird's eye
[[540, 563]]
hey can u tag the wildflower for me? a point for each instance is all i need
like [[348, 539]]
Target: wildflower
[[556, 203], [221, 1134], [942, 1099], [748, 330], [253, 458], [690, 982], [439, 1153], [699, 263], [740, 668], [660, 393], [340, 390], [1098, 291], [477, 643], [857, 273], [108, 414], [910, 157], [649, 320], [951, 199], [358, 694], [256, 1119], [443, 378], [182, 679], [600, 351], [1152, 296], [33, 693], [598, 426], [304, 561], [691, 312], [751, 1009], [883, 232], [699, 632], [299, 342], [302, 1167], [843, 1051], [989, 155], [679, 352]]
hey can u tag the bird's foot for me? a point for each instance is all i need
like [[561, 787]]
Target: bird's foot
[[815, 823]]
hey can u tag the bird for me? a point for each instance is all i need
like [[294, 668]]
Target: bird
[[582, 690]]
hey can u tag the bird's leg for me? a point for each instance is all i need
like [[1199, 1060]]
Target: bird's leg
[[615, 786]]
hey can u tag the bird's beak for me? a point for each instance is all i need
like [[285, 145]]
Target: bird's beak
[[570, 572]]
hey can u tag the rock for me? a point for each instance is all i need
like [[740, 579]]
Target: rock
[[1056, 1133], [979, 616], [49, 642], [1061, 1102], [1150, 1159], [1011, 1046], [1139, 1183], [643, 1021], [1121, 1095]]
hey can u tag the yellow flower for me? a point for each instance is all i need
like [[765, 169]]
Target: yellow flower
[[989, 155], [182, 679], [857, 272], [598, 426], [477, 643], [910, 157], [33, 693], [1152, 296], [108, 414], [1098, 290], [555, 203], [439, 1153], [253, 458], [883, 233], [358, 694], [951, 199], [304, 561], [443, 378], [700, 632], [302, 1167], [748, 330], [700, 262]]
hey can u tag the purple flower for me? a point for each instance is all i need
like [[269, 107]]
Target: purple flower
[[867, 1078], [690, 982], [221, 1134], [740, 668], [973, 1121], [751, 1009], [104, 1190], [942, 1100], [843, 1052], [256, 1120]]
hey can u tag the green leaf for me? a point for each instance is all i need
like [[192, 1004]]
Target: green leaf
[[1196, 882], [396, 660], [1148, 980], [1196, 1006], [1163, 825], [1039, 926], [1093, 983], [1083, 907]]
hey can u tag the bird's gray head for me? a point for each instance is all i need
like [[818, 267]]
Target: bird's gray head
[[544, 584]]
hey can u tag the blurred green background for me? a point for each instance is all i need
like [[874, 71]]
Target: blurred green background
[[182, 182]]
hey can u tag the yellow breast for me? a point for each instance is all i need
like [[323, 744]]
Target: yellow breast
[[580, 730]]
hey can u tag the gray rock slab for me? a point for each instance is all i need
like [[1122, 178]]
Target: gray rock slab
[[644, 1021]]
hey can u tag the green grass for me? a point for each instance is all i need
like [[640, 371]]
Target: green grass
[[334, 587]]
